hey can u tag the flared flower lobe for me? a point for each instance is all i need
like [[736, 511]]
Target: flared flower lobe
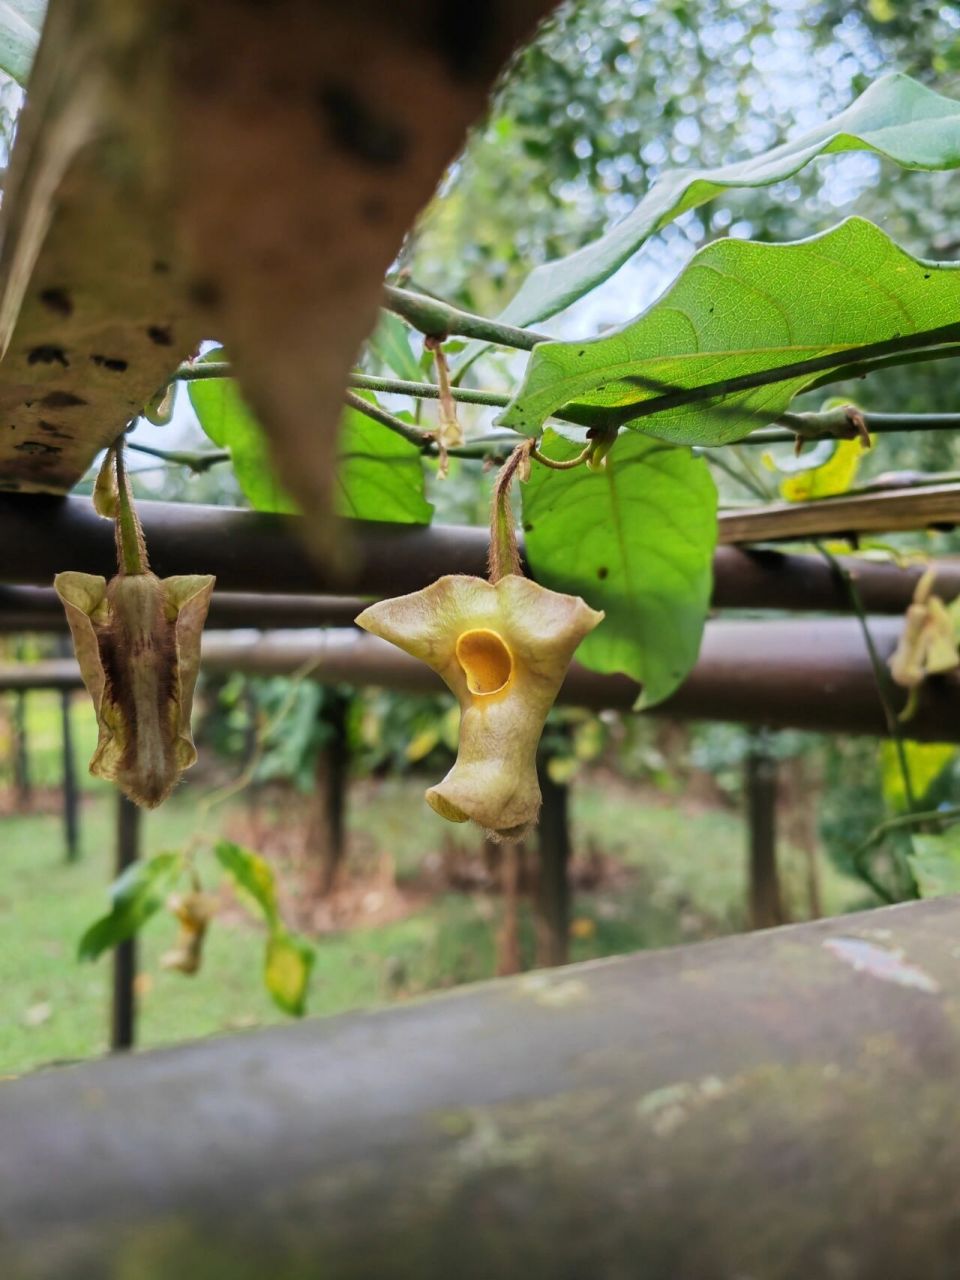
[[137, 640], [503, 650]]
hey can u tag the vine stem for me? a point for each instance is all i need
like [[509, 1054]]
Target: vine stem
[[815, 425], [197, 372], [902, 821], [426, 390], [424, 440], [675, 397], [555, 465], [197, 462], [881, 678], [131, 547], [438, 319], [504, 551]]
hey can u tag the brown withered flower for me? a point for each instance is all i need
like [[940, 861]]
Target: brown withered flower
[[137, 640], [194, 911], [503, 649]]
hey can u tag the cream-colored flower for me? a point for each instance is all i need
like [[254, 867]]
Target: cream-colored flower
[[927, 645], [137, 640], [503, 650]]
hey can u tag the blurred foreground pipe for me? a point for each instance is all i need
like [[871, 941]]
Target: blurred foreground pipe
[[778, 674], [252, 552], [778, 1105]]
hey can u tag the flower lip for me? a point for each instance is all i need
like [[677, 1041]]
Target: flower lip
[[486, 661]]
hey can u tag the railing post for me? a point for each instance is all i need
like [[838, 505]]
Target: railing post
[[71, 795], [328, 828], [765, 904], [123, 1020], [552, 905], [21, 752]]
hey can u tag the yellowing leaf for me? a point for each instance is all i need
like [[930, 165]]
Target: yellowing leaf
[[286, 973], [926, 762], [252, 877], [834, 476]]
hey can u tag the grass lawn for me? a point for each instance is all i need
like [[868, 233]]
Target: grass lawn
[[680, 878]]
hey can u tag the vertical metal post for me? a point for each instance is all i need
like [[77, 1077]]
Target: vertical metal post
[[328, 834], [553, 884], [71, 796], [123, 1019], [765, 903], [21, 751]]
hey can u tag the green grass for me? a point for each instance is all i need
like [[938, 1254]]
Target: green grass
[[683, 879]]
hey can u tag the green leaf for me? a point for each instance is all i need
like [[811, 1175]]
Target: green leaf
[[742, 309], [380, 475], [390, 343], [926, 761], [253, 878], [289, 961], [896, 118], [229, 423], [935, 863], [135, 896], [635, 539], [20, 25]]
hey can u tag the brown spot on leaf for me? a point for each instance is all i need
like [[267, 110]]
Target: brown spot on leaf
[[51, 429], [160, 334], [58, 301], [36, 447], [48, 354], [204, 292], [61, 400], [356, 128], [116, 364]]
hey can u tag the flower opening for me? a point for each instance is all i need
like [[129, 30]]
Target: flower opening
[[503, 649], [486, 661]]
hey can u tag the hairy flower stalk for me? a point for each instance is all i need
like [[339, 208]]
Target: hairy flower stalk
[[137, 640], [503, 649]]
